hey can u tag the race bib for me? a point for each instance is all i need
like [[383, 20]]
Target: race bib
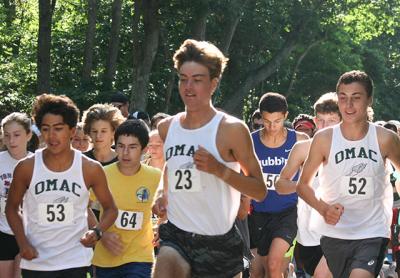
[[270, 180], [184, 180], [3, 205], [358, 187], [61, 213], [129, 220]]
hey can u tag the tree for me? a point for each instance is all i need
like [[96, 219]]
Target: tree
[[113, 45], [89, 42], [46, 9], [148, 49]]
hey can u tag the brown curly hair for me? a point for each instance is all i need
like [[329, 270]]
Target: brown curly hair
[[105, 112]]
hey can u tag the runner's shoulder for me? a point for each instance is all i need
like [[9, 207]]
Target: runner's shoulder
[[90, 164], [26, 164], [301, 136], [232, 124], [163, 127]]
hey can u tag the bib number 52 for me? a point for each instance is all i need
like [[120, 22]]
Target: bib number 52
[[358, 187]]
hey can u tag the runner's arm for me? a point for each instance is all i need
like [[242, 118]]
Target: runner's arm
[[160, 203], [392, 144], [250, 183], [284, 184], [330, 212], [19, 185], [244, 207], [98, 182], [304, 185]]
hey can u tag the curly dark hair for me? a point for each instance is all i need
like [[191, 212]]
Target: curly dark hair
[[56, 105]]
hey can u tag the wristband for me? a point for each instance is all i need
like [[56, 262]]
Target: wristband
[[99, 233]]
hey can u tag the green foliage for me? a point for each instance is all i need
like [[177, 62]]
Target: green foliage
[[351, 34]]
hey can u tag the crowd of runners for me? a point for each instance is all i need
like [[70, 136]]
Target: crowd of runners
[[200, 193]]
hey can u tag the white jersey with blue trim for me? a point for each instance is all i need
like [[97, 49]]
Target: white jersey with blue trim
[[357, 177], [198, 202], [55, 216]]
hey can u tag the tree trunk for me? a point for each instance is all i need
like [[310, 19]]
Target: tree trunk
[[89, 42], [234, 104], [10, 8], [148, 48], [46, 8], [168, 91], [113, 45], [230, 27], [298, 63], [200, 20]]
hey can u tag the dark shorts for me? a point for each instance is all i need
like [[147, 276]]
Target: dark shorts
[[208, 256], [309, 257], [264, 227], [9, 247], [344, 255], [137, 270], [79, 272]]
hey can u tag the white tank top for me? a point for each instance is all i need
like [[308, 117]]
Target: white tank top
[[357, 178], [306, 236], [7, 165], [198, 202], [55, 216]]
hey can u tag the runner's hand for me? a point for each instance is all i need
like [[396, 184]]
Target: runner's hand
[[28, 252], [156, 237], [159, 207], [89, 239], [112, 242], [205, 161], [333, 213]]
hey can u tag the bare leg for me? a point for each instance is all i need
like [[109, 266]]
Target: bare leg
[[7, 269], [322, 269], [257, 267], [170, 264], [276, 257], [360, 273]]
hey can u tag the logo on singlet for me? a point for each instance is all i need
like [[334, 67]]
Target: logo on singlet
[[275, 161], [356, 169], [179, 150], [143, 194], [6, 176], [57, 185], [354, 152]]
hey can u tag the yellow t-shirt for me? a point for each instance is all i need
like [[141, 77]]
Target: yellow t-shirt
[[133, 196]]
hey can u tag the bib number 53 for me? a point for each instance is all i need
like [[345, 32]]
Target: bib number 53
[[50, 213]]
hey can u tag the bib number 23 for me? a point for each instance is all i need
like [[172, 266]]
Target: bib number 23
[[185, 180]]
